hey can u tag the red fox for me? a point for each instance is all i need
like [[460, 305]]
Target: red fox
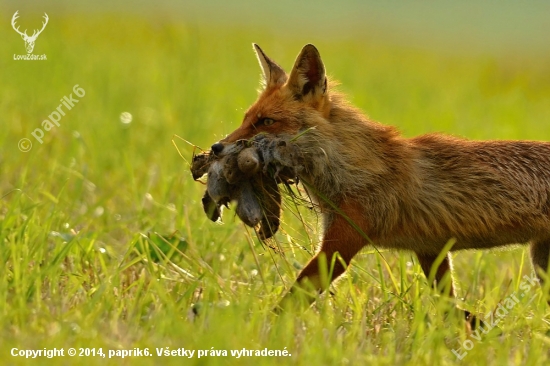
[[374, 186]]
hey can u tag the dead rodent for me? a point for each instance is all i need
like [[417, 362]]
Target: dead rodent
[[269, 195], [248, 161], [200, 164], [238, 176]]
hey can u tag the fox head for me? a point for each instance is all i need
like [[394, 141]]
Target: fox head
[[287, 103]]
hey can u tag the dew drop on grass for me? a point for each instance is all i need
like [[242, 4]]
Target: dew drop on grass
[[125, 117]]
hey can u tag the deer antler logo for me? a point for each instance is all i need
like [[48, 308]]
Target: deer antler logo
[[29, 40]]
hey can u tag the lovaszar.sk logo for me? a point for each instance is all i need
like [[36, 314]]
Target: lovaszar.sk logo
[[29, 40]]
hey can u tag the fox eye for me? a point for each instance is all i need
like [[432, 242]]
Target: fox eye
[[267, 121]]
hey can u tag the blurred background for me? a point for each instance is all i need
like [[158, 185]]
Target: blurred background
[[109, 174], [152, 70]]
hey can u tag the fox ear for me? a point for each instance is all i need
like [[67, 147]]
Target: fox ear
[[308, 74], [273, 73]]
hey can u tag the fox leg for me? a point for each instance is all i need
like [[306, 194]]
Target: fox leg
[[341, 243], [427, 262], [540, 255]]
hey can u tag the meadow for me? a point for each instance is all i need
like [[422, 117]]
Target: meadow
[[103, 241]]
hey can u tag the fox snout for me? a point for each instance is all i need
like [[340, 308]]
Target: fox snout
[[217, 148]]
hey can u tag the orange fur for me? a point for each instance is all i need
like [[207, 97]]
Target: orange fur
[[413, 194]]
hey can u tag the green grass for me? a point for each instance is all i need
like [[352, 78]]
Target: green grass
[[103, 240]]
